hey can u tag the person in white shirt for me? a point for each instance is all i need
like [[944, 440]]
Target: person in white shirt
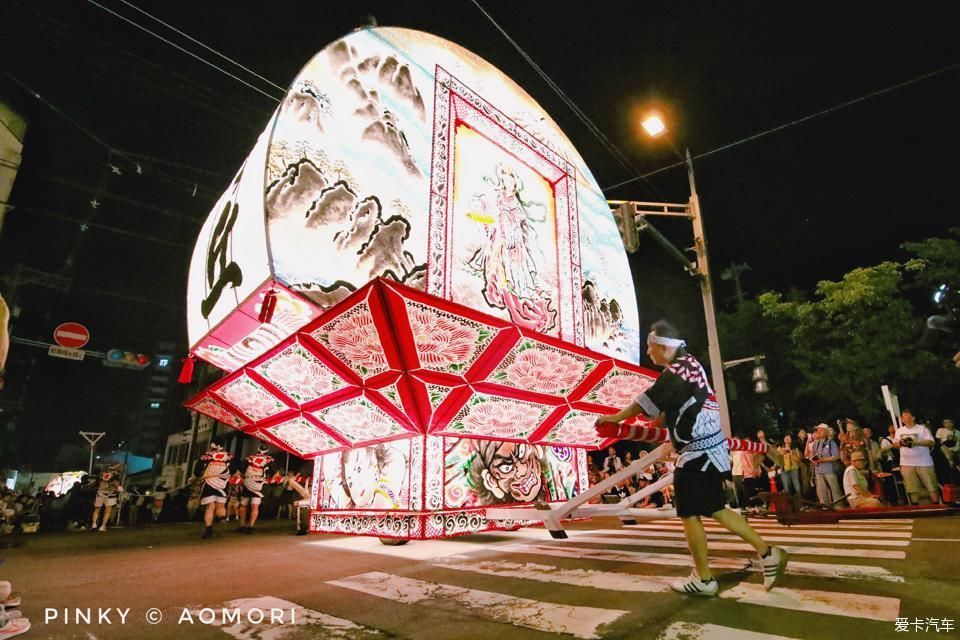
[[855, 485], [949, 442], [914, 441], [612, 463]]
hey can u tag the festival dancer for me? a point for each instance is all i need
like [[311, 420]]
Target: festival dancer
[[108, 490], [214, 469], [682, 396], [256, 470]]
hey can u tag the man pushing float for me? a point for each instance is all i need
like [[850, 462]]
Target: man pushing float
[[682, 398]]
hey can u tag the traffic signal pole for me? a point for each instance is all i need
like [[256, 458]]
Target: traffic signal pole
[[706, 291], [631, 219]]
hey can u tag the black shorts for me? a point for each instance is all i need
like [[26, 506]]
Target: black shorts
[[206, 491], [698, 493]]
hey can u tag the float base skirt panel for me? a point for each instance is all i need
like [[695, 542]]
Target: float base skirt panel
[[410, 526]]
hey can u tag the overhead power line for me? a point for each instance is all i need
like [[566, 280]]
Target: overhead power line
[[786, 125], [618, 155], [188, 184], [186, 51], [104, 227], [208, 48]]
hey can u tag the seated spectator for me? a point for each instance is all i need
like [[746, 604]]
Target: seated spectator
[[652, 501], [855, 484]]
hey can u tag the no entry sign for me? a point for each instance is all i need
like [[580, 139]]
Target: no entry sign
[[71, 335]]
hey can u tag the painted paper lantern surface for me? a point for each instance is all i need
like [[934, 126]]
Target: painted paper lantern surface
[[448, 278]]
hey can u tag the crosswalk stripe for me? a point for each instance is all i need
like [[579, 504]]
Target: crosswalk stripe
[[851, 605], [796, 567], [581, 622], [318, 624], [642, 557], [575, 577], [843, 524], [883, 521], [842, 533], [834, 603], [691, 631], [771, 538], [742, 546]]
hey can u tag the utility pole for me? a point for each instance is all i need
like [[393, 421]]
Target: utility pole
[[733, 272], [706, 290], [92, 439], [700, 268]]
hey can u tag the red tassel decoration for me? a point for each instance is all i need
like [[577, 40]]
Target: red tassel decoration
[[268, 306], [186, 372]]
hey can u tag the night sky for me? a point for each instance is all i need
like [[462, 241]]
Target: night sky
[[805, 203]]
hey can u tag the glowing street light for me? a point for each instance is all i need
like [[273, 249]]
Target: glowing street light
[[653, 125], [636, 213]]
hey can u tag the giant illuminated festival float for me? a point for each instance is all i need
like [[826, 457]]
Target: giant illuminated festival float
[[415, 281]]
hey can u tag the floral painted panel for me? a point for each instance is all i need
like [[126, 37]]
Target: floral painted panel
[[533, 366], [252, 399], [359, 420], [353, 338], [576, 428], [618, 388], [495, 417], [300, 374], [215, 410], [304, 437], [445, 342]]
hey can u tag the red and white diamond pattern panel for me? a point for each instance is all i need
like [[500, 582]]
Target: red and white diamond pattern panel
[[305, 438], [255, 402], [211, 407], [535, 366], [360, 422], [390, 361], [497, 418], [352, 337], [577, 427], [445, 342], [618, 388], [299, 374]]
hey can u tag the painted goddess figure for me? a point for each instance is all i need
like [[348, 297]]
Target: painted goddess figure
[[509, 258]]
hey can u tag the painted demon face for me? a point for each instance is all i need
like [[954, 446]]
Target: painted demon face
[[514, 470]]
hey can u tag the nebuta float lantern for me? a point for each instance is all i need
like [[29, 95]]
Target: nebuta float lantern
[[415, 280]]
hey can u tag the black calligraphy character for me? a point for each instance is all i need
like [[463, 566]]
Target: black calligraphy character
[[219, 273]]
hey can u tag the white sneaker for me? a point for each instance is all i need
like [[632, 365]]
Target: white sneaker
[[694, 586], [102, 528], [774, 566]]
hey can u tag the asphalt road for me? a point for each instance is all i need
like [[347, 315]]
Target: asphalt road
[[851, 580]]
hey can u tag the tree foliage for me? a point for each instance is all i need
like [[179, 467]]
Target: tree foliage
[[827, 357]]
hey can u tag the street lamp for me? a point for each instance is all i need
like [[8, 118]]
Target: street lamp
[[632, 216], [653, 125]]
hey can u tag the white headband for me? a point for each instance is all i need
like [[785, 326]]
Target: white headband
[[673, 343]]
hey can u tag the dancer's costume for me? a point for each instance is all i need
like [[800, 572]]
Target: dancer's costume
[[256, 469], [214, 468], [108, 488]]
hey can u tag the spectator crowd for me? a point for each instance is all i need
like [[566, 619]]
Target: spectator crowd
[[846, 465]]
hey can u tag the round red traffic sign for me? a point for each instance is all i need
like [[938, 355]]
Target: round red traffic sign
[[71, 335]]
